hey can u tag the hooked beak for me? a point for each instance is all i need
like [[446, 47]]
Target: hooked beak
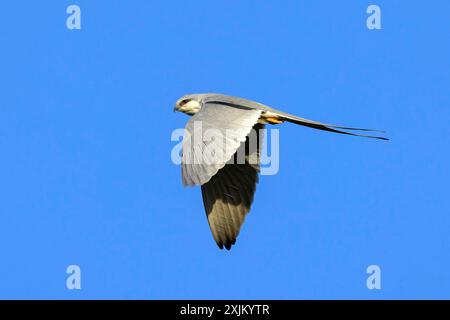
[[177, 106]]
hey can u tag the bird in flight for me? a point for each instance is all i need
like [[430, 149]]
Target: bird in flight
[[228, 184]]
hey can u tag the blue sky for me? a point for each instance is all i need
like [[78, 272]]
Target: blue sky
[[86, 175]]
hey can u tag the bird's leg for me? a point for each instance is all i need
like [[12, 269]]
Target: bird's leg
[[270, 117], [272, 120]]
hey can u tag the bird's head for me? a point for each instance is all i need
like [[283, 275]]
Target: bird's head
[[188, 104]]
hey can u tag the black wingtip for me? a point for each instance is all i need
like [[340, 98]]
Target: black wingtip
[[227, 245]]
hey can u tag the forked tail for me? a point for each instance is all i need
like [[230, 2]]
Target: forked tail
[[330, 127]]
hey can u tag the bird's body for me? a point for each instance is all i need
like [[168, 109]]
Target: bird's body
[[228, 183]]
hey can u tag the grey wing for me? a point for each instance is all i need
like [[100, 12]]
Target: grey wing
[[228, 196], [212, 137]]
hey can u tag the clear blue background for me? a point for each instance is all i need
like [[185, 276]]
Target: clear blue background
[[86, 176]]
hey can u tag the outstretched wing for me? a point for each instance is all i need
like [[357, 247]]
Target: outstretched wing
[[212, 137], [228, 196]]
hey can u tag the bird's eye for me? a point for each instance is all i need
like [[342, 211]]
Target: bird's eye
[[183, 102]]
